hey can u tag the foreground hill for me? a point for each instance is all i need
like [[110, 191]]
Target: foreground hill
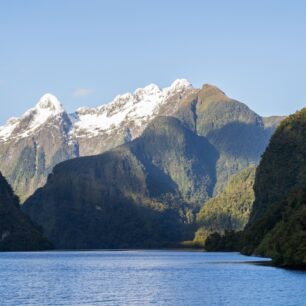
[[277, 226], [17, 232]]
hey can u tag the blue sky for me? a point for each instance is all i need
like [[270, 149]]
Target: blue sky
[[86, 52]]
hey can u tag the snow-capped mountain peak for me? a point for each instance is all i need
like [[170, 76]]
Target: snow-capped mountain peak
[[151, 89], [180, 84], [49, 103], [46, 108]]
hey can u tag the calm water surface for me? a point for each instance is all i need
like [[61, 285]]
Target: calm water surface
[[145, 277]]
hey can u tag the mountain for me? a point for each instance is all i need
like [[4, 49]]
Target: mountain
[[125, 118], [230, 210], [146, 193], [239, 134], [17, 232], [277, 225], [140, 194], [30, 146]]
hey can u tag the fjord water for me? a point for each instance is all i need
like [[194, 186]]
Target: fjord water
[[145, 277]]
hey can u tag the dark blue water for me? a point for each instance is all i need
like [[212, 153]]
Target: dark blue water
[[145, 277]]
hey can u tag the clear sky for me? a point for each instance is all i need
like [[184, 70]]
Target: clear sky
[[86, 52]]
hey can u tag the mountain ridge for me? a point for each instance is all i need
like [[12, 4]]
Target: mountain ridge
[[30, 146], [45, 135], [169, 171]]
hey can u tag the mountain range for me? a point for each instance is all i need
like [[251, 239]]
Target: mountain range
[[147, 191], [30, 146], [169, 167]]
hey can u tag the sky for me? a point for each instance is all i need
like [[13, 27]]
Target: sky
[[86, 52]]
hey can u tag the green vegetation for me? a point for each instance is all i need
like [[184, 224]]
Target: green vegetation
[[236, 132], [146, 193], [227, 242], [17, 232], [239, 135], [286, 242], [277, 226], [228, 211], [142, 194]]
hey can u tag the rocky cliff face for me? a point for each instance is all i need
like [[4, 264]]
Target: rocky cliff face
[[31, 145]]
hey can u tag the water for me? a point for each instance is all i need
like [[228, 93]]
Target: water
[[145, 277]]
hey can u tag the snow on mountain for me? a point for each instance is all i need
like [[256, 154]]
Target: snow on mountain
[[136, 108], [47, 107], [45, 135], [49, 104], [7, 129]]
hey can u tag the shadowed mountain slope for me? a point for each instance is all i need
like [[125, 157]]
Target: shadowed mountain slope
[[17, 232], [239, 134], [142, 194]]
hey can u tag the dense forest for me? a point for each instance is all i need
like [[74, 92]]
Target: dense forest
[[277, 225], [17, 232]]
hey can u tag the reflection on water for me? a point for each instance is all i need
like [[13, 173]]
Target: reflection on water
[[145, 277]]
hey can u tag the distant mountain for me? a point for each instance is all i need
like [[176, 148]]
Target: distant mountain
[[30, 146], [17, 232], [147, 192], [230, 210], [239, 134]]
